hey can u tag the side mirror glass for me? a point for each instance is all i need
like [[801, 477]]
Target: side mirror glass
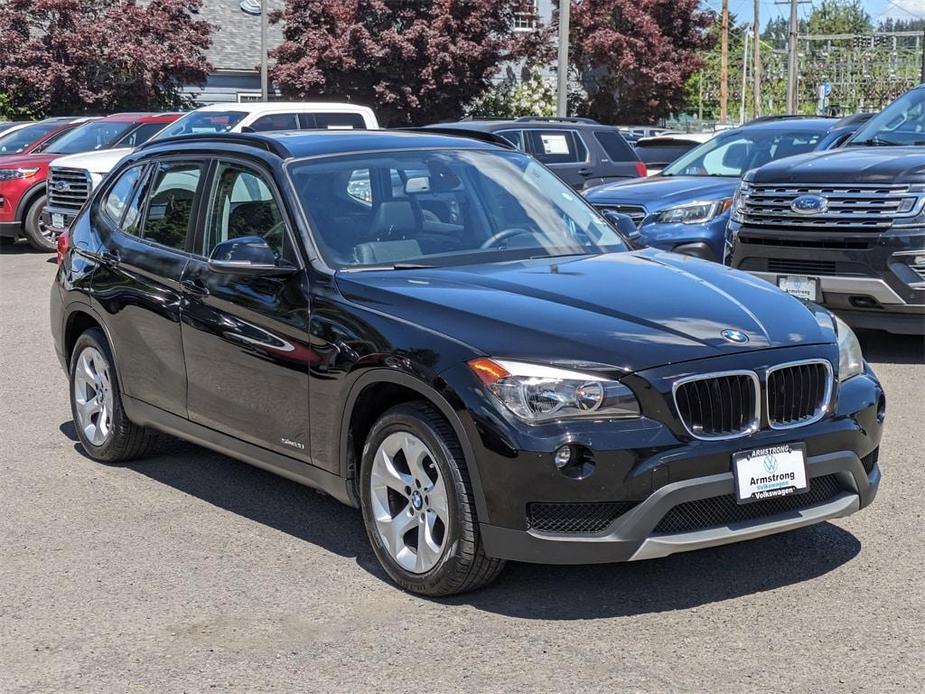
[[247, 255], [622, 223]]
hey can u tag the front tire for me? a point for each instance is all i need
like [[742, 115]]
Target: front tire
[[105, 432], [37, 234], [417, 504]]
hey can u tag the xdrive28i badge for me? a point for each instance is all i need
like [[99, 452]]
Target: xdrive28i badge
[[735, 336]]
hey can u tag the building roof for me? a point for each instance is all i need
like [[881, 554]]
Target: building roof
[[236, 38]]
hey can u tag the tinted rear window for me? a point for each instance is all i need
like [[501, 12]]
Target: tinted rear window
[[333, 121], [615, 146]]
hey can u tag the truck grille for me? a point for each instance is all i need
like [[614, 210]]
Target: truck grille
[[634, 212], [798, 393], [859, 208], [68, 189], [718, 406], [724, 510]]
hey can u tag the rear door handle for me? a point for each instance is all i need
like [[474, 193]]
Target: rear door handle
[[585, 172], [110, 256], [195, 287]]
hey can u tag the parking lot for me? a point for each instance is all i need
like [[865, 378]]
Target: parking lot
[[189, 571]]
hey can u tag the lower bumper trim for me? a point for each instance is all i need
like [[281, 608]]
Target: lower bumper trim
[[864, 286]]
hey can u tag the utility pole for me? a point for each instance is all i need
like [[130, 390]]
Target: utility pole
[[562, 88], [264, 86], [922, 79], [756, 63], [793, 53], [744, 80], [724, 66]]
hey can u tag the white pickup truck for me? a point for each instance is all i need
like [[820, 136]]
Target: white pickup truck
[[90, 167]]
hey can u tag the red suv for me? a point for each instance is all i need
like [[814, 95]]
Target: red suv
[[22, 176]]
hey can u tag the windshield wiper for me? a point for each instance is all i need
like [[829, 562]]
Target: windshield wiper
[[409, 266], [878, 141]]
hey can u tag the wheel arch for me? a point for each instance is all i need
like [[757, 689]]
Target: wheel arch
[[370, 396], [28, 199], [79, 318]]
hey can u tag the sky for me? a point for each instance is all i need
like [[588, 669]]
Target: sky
[[877, 9]]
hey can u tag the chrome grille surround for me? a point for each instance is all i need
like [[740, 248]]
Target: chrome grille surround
[[637, 213], [821, 406], [749, 421], [849, 207], [67, 189]]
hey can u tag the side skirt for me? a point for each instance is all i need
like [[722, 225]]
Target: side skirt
[[143, 414]]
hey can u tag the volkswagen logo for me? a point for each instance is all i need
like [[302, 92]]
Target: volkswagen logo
[[770, 464], [62, 186], [736, 336], [809, 204]]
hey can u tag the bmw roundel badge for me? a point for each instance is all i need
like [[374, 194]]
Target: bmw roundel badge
[[736, 336]]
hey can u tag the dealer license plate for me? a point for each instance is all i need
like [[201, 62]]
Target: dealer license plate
[[774, 471], [801, 287], [57, 221]]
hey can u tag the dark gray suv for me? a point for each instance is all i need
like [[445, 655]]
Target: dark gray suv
[[581, 151]]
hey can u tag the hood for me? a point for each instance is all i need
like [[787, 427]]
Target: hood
[[16, 161], [100, 161], [847, 165], [661, 192], [628, 310]]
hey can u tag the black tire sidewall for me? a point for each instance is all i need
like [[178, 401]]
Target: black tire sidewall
[[31, 226], [96, 339], [401, 419]]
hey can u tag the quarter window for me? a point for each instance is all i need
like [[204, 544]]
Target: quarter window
[[170, 205], [117, 199], [332, 121], [243, 205]]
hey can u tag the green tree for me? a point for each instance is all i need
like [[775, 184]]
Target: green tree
[[839, 17]]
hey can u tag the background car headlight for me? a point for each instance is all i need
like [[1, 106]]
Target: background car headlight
[[538, 393], [13, 174], [695, 212], [95, 180], [738, 207], [850, 358]]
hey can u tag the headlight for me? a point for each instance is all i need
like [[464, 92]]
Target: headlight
[[13, 174], [694, 213], [738, 206], [539, 394], [95, 180], [850, 359]]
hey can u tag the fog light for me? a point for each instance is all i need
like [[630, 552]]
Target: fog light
[[563, 456]]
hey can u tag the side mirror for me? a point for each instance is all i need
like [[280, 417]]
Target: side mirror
[[247, 255], [622, 223]]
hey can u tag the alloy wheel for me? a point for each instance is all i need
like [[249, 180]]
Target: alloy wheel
[[409, 502], [93, 396]]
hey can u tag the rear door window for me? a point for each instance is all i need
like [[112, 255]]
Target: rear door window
[[332, 121], [556, 146], [276, 121], [515, 137], [169, 210]]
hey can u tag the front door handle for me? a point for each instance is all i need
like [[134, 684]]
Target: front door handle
[[585, 172], [195, 287]]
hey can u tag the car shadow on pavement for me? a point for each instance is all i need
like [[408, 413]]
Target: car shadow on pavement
[[882, 347], [525, 591]]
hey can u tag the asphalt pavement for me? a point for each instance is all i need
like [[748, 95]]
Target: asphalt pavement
[[189, 571]]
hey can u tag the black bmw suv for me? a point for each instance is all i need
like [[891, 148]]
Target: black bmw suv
[[845, 227], [439, 331]]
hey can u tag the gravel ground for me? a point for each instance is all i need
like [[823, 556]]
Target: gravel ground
[[189, 571]]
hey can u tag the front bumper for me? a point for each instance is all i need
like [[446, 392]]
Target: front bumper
[[870, 281], [10, 230], [57, 221], [634, 535]]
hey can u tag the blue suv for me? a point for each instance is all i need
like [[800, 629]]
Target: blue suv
[[685, 208]]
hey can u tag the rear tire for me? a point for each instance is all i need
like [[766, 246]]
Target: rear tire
[[35, 231], [105, 432], [422, 499]]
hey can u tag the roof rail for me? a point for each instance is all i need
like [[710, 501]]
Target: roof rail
[[265, 143], [471, 134], [783, 116], [556, 119]]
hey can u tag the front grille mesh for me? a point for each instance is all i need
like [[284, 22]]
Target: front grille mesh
[[575, 517], [721, 511], [68, 189], [849, 207], [797, 394], [719, 406]]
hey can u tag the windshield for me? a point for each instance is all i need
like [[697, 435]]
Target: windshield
[[436, 208], [203, 122], [90, 136], [20, 140], [738, 151], [900, 123]]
